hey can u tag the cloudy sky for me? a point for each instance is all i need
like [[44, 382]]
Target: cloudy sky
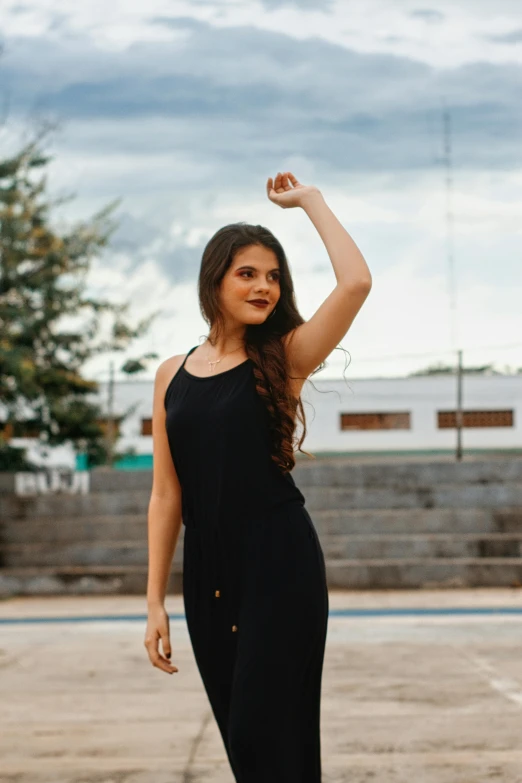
[[184, 109]]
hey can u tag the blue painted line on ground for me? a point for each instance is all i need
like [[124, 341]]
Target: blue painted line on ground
[[385, 612]]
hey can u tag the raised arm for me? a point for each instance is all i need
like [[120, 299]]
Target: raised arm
[[311, 343]]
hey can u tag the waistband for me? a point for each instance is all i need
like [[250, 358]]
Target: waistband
[[225, 567]]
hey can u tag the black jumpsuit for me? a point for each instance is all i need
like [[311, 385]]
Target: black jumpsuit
[[254, 581]]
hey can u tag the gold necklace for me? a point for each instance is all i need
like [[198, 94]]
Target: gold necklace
[[222, 357]]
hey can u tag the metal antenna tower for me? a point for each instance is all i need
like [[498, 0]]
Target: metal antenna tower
[[450, 224], [452, 284]]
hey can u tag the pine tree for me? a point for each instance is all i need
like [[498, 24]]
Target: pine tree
[[42, 293]]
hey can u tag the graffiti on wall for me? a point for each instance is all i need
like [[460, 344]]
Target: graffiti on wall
[[52, 481]]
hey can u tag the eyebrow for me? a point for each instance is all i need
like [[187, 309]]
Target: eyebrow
[[247, 266]]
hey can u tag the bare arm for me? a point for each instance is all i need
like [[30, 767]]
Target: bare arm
[[164, 514], [349, 266], [310, 343], [164, 524]]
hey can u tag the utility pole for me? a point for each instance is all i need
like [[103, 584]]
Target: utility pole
[[450, 225], [459, 414], [110, 414], [452, 283]]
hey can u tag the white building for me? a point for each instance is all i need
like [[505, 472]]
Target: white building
[[375, 415], [414, 415]]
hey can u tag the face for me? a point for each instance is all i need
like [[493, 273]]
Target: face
[[253, 274]]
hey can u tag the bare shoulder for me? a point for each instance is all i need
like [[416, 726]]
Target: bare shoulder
[[167, 369], [171, 363], [165, 482]]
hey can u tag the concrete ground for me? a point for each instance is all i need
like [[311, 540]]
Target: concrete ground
[[412, 697]]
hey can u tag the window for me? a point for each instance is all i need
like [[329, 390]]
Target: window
[[376, 421], [146, 426], [448, 419]]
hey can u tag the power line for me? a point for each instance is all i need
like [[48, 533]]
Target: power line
[[425, 354]]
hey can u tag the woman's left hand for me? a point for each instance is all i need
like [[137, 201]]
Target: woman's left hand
[[281, 192]]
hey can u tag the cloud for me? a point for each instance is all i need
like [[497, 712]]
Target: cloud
[[513, 37], [176, 22], [174, 248], [339, 107], [20, 8], [306, 5], [429, 15], [187, 125]]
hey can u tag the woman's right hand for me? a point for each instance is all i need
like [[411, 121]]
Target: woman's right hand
[[289, 195], [158, 628]]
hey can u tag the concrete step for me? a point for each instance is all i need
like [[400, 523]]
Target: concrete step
[[429, 573], [340, 471], [344, 472], [128, 501], [79, 554], [81, 580], [505, 519], [438, 496], [420, 546], [100, 480], [133, 527], [337, 546], [135, 502], [347, 574], [121, 527]]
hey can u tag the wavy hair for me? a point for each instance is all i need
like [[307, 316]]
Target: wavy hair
[[263, 343]]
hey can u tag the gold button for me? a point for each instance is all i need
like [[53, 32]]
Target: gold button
[[234, 627], [217, 593]]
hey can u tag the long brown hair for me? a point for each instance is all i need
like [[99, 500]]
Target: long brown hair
[[263, 343]]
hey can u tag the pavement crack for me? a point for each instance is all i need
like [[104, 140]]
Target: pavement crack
[[187, 774]]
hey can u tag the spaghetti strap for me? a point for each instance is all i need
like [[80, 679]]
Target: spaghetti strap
[[186, 357], [174, 377]]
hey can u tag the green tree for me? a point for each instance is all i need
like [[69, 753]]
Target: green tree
[[49, 324]]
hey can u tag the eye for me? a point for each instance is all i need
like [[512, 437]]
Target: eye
[[276, 275]]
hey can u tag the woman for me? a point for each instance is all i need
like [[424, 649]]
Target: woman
[[254, 581]]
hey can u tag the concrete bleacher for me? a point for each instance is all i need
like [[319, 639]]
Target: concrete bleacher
[[381, 523]]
